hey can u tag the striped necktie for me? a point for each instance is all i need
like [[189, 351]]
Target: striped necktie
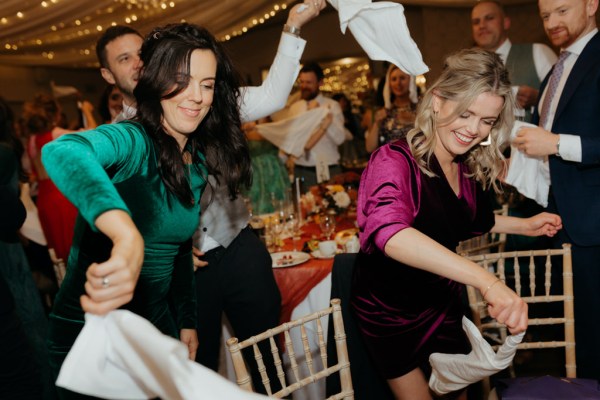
[[552, 86]]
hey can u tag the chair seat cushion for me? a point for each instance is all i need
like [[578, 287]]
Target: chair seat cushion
[[548, 388]]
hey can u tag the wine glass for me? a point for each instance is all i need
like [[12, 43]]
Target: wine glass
[[327, 224], [277, 227], [292, 226]]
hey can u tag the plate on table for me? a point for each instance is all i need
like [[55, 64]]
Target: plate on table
[[285, 259], [317, 254]]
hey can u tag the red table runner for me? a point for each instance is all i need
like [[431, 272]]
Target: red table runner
[[296, 282]]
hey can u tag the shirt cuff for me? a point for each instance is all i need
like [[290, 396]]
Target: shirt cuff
[[291, 46], [570, 148]]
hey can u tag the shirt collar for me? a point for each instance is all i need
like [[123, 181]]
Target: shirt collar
[[504, 49], [577, 47], [129, 111]]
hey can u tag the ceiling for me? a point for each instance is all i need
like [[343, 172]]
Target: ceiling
[[63, 33]]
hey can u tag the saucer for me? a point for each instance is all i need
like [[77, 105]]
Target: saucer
[[317, 254]]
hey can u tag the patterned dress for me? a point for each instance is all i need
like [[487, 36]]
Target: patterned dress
[[397, 123]]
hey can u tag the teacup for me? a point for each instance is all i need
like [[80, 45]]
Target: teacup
[[352, 245], [328, 248]]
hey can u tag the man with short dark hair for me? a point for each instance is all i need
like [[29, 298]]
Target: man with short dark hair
[[118, 51]]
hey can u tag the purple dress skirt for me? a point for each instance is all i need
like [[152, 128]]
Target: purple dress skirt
[[404, 313]]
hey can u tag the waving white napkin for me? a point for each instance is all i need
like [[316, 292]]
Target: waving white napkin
[[291, 134], [451, 372], [123, 356], [529, 175], [381, 30]]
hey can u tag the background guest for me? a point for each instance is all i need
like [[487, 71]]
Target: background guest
[[57, 214], [527, 63], [321, 156], [111, 103], [397, 117], [270, 180], [569, 135], [23, 326]]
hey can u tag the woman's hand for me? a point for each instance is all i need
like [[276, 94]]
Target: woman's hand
[[506, 306], [111, 284], [300, 14], [198, 263], [542, 224], [190, 338], [380, 115]]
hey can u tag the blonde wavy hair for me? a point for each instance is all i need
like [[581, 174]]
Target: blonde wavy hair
[[467, 74]]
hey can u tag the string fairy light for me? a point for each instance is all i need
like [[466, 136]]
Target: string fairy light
[[255, 21], [62, 40]]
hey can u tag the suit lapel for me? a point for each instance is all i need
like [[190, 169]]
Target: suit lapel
[[585, 61]]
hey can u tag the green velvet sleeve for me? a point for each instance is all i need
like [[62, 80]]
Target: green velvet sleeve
[[182, 293], [78, 164]]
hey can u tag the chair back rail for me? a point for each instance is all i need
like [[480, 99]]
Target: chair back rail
[[532, 293], [342, 366]]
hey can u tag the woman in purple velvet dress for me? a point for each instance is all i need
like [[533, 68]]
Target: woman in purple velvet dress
[[418, 198]]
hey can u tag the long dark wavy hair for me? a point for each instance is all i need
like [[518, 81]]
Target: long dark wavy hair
[[8, 136], [166, 56]]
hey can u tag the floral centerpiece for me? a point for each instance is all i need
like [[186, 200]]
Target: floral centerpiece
[[329, 198]]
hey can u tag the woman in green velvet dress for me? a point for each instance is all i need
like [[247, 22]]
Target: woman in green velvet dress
[[137, 186]]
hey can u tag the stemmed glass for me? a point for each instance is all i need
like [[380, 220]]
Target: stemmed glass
[[292, 226], [327, 224], [277, 227]]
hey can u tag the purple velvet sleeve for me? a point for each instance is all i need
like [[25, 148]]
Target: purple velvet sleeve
[[388, 197]]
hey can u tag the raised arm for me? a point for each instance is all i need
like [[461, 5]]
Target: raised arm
[[260, 101]]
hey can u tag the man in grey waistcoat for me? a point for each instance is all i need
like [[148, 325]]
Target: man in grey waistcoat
[[527, 63]]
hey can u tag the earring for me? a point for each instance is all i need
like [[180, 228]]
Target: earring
[[487, 141]]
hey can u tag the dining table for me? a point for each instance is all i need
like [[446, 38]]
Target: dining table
[[305, 287]]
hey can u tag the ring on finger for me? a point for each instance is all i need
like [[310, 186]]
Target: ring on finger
[[105, 282]]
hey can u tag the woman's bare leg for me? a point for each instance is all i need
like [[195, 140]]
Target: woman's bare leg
[[411, 386]]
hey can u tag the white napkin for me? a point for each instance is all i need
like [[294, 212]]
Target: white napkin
[[291, 134], [123, 356], [381, 30], [451, 372], [31, 228], [529, 175]]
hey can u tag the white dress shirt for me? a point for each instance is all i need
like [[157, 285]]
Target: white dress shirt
[[326, 148], [570, 145], [222, 220]]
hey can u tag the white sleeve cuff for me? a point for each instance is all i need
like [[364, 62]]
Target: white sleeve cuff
[[570, 147], [291, 46]]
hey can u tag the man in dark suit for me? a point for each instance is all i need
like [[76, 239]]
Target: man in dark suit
[[568, 114]]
